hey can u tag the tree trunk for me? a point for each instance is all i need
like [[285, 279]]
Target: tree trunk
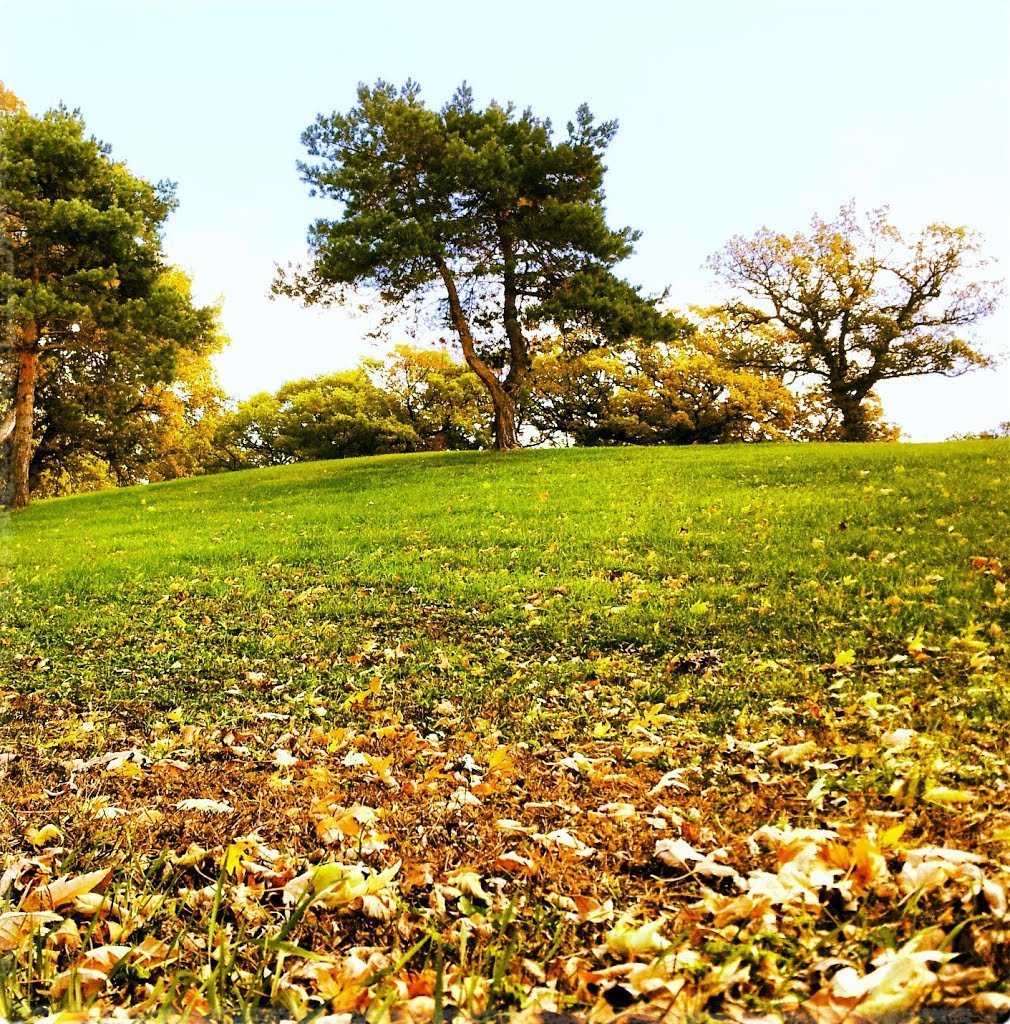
[[519, 348], [22, 437], [506, 437], [855, 421]]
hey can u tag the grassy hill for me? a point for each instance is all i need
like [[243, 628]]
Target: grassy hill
[[587, 728]]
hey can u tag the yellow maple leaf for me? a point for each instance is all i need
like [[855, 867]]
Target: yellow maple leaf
[[844, 659], [41, 836], [889, 837], [236, 852]]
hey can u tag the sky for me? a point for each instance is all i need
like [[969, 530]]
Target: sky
[[734, 115]]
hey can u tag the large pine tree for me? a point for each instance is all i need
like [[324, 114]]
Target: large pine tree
[[483, 208]]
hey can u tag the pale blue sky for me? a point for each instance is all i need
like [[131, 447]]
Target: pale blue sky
[[734, 114]]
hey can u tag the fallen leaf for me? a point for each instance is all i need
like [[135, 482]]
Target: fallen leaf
[[617, 811], [795, 753], [516, 863], [886, 995], [843, 660], [337, 885], [41, 836], [86, 979], [103, 958], [17, 925], [64, 890], [627, 938], [468, 881], [944, 795], [671, 778], [564, 839], [202, 804], [589, 909]]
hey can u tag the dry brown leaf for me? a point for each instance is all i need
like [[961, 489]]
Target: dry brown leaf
[[67, 936], [589, 909], [204, 804], [153, 950], [516, 863], [468, 880], [930, 866], [65, 890], [92, 903], [618, 811], [680, 854], [89, 981], [103, 958], [17, 925], [888, 994], [991, 1005], [509, 825], [958, 980], [567, 843]]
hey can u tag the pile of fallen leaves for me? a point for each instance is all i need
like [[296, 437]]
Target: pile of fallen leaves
[[322, 872]]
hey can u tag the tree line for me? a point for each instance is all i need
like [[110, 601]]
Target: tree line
[[421, 399], [495, 222]]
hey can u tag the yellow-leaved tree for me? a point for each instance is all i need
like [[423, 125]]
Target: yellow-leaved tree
[[853, 302]]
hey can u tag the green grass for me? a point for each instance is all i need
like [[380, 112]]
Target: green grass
[[653, 609], [168, 595]]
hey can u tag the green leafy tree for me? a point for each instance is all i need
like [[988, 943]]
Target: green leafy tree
[[334, 416], [480, 207], [249, 437], [87, 291], [101, 419], [853, 303], [103, 431]]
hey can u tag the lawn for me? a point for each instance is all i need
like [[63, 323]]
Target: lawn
[[664, 732]]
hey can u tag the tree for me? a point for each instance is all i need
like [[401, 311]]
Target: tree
[[572, 390], [692, 395], [482, 207], [184, 420], [88, 294], [249, 437], [1000, 432], [101, 419], [96, 425], [10, 103], [657, 393], [440, 398], [106, 436], [852, 303], [817, 419], [330, 417]]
